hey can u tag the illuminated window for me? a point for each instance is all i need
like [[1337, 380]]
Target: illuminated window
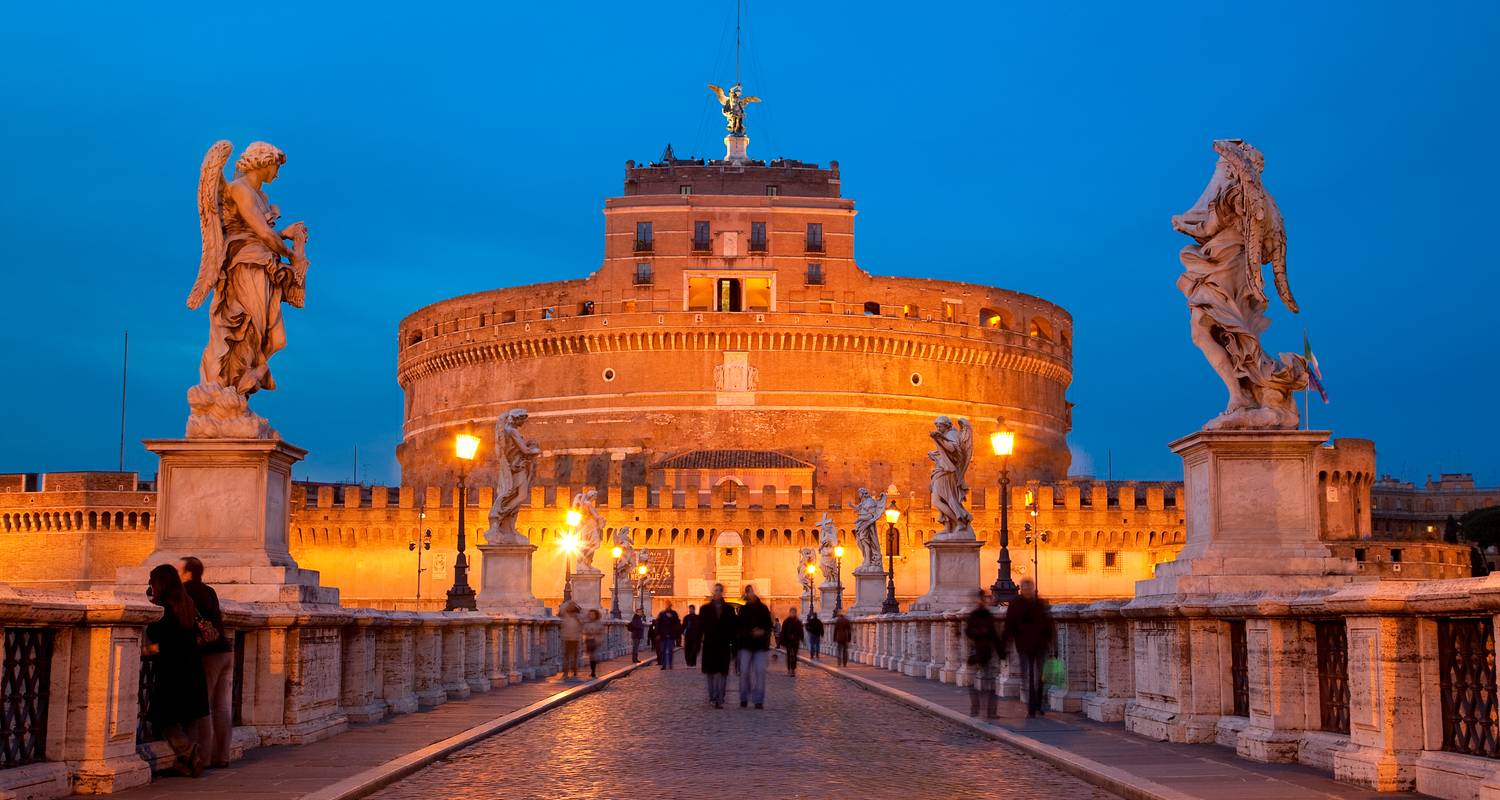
[[911, 311], [994, 318], [757, 294], [1040, 329], [950, 312], [700, 294]]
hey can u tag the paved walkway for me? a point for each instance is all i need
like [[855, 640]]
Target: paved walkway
[[1160, 769], [333, 765], [654, 735]]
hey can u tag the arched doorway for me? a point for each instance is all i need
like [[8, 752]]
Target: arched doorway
[[729, 562]]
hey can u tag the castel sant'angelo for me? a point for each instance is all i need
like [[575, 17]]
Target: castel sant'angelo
[[725, 378]]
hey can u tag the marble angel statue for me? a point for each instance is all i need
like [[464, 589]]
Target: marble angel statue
[[828, 539], [629, 558], [806, 557], [516, 473], [950, 466], [590, 530], [867, 513], [732, 105], [1236, 229], [250, 269]]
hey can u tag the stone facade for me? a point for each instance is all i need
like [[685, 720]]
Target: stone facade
[[1402, 509]]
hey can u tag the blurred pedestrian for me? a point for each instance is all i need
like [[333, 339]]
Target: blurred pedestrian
[[814, 629], [179, 696], [753, 645], [637, 628], [572, 635], [979, 628], [212, 732], [668, 628], [718, 625], [791, 639], [593, 639], [843, 633], [692, 636], [1028, 624]]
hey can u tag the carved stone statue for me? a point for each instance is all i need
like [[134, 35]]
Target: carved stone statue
[[629, 558], [950, 465], [250, 269], [867, 513], [732, 105], [828, 538], [1236, 229], [806, 557], [518, 457], [590, 530]]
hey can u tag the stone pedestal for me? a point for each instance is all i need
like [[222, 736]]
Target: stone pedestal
[[828, 599], [735, 149], [1252, 511], [505, 579], [227, 502], [869, 591], [587, 589], [954, 575]]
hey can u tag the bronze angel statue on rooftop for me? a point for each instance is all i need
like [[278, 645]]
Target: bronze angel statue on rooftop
[[1237, 228], [732, 105], [250, 268]]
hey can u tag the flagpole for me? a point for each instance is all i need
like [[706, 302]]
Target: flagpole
[[124, 384], [1307, 408]]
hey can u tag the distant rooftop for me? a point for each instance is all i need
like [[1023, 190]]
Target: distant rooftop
[[731, 459], [782, 177]]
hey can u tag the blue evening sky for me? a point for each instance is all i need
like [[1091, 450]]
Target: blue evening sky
[[438, 149]]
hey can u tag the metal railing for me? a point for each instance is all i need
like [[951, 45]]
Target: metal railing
[[24, 696], [1333, 675], [1239, 667], [643, 245], [1466, 675]]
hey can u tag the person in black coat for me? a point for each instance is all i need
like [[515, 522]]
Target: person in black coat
[[791, 639], [692, 636], [668, 628], [984, 645], [814, 629], [718, 624], [1028, 623], [752, 643], [637, 628], [179, 694]]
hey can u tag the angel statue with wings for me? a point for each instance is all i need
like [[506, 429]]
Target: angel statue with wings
[[950, 465], [732, 105], [251, 269], [806, 557], [1236, 229], [867, 513]]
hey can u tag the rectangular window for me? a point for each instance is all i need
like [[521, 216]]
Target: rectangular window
[[642, 236], [685, 189], [643, 273], [1111, 559], [700, 294], [549, 312], [757, 294], [701, 237], [815, 237], [585, 308], [950, 312], [825, 306], [508, 316], [772, 191], [757, 237], [628, 306], [814, 274], [1078, 562]]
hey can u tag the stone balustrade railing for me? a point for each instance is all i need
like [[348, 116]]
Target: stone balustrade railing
[[1388, 685], [75, 684]]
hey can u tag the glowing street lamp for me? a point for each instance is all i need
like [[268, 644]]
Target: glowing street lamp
[[812, 569], [1003, 442], [569, 545], [640, 589], [838, 578], [892, 516], [461, 596], [574, 517], [614, 597]]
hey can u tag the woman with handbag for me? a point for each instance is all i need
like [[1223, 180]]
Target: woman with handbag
[[179, 696]]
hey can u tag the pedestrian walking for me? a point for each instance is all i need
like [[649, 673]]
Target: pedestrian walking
[[979, 628], [814, 629], [179, 696], [1028, 625], [692, 636], [572, 635], [668, 628], [719, 626], [213, 732], [637, 628], [791, 639], [593, 639], [753, 646], [843, 633]]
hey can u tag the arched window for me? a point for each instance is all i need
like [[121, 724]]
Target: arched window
[[995, 319], [1040, 328], [414, 338], [872, 309]]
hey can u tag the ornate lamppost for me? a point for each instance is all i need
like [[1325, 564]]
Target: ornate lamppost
[[892, 541], [426, 544], [569, 545], [614, 594], [1034, 538], [1003, 442], [640, 589], [838, 578], [461, 596], [812, 570]]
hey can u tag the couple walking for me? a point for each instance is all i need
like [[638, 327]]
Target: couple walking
[[582, 629], [729, 634]]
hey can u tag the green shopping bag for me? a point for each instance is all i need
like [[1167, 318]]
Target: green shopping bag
[[1054, 673]]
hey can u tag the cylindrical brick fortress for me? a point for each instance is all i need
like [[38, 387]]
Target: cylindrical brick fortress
[[729, 313]]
